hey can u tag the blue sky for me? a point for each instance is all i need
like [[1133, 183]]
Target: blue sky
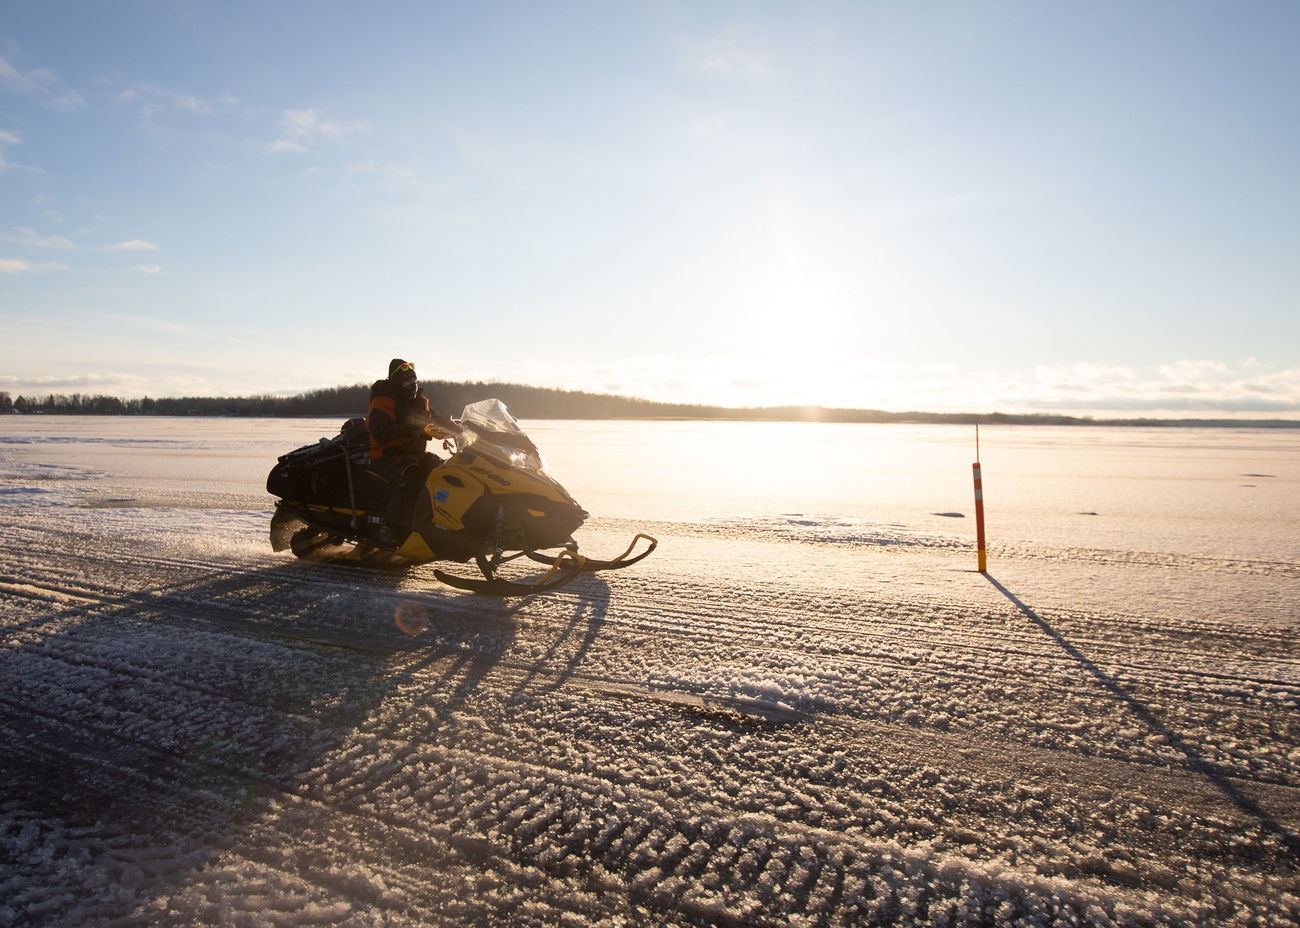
[[1078, 207]]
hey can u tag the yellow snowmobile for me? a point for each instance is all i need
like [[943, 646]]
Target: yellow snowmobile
[[491, 501]]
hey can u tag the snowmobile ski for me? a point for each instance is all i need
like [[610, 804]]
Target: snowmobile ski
[[591, 565], [565, 566]]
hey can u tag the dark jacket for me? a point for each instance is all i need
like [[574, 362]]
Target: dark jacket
[[396, 421]]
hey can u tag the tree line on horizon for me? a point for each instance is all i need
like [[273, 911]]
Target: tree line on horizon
[[446, 397], [525, 402]]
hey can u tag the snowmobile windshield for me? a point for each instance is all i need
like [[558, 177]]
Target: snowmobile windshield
[[490, 428]]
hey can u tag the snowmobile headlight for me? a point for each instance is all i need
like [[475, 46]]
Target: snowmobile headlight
[[525, 460]]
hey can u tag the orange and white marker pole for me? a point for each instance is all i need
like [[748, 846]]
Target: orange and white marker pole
[[979, 507]]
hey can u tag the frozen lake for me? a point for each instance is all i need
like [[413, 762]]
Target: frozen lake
[[1216, 492], [806, 708]]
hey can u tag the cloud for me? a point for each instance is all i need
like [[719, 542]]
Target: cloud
[[311, 123], [392, 174], [12, 138], [150, 99], [117, 383], [1082, 388], [1188, 371], [735, 52], [40, 85], [30, 238], [22, 266], [1081, 375], [1185, 387], [299, 127], [171, 327], [63, 382], [23, 235]]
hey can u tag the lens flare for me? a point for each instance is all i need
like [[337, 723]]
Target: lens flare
[[411, 618]]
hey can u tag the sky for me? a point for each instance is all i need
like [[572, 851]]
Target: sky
[[1085, 208]]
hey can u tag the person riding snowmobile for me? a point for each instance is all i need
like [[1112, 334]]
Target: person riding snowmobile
[[401, 423], [399, 415]]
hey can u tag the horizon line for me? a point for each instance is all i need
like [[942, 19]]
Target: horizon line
[[778, 412]]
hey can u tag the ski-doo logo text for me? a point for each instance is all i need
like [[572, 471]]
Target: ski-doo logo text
[[495, 477]]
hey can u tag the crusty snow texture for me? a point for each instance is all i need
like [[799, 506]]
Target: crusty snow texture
[[812, 722]]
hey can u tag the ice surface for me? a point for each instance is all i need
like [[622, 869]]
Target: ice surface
[[806, 708]]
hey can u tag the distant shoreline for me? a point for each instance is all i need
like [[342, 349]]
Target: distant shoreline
[[527, 402], [890, 419]]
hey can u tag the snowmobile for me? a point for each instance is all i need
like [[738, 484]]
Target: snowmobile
[[491, 501]]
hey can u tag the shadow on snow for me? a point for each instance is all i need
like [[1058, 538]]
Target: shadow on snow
[[141, 741], [1194, 759]]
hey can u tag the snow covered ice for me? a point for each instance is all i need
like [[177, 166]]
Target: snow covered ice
[[806, 708]]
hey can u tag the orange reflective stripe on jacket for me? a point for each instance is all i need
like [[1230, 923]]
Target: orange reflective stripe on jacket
[[384, 418], [386, 406]]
